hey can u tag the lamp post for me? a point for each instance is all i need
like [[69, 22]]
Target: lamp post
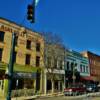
[[10, 67]]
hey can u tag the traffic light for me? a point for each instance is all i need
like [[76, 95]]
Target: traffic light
[[31, 13]]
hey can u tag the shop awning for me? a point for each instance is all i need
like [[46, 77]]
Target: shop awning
[[26, 68]]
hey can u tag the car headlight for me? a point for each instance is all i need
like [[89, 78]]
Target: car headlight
[[70, 90], [90, 88]]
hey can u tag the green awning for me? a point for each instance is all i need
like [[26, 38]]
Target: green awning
[[3, 66], [20, 68], [24, 68]]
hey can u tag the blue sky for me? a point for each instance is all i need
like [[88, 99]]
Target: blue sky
[[76, 21]]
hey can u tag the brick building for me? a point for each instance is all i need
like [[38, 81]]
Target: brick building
[[94, 63]]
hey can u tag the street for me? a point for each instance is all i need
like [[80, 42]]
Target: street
[[70, 98]]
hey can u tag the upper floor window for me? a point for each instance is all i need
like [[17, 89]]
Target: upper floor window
[[61, 64], [16, 40], [28, 44], [75, 64], [87, 70], [37, 61], [72, 66], [55, 63], [1, 54], [84, 68], [37, 46], [67, 65], [48, 62], [28, 58], [2, 36], [81, 69]]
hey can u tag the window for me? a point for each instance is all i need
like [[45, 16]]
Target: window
[[87, 69], [14, 57], [48, 62], [67, 65], [16, 40], [0, 54], [61, 64], [28, 59], [55, 63], [37, 61], [75, 64], [1, 36], [37, 46], [72, 65], [28, 45], [81, 68]]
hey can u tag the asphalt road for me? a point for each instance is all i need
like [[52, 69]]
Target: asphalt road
[[70, 98]]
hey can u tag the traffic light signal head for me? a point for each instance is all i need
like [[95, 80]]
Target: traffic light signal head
[[6, 76], [31, 13]]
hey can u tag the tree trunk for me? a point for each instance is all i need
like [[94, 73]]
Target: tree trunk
[[52, 81]]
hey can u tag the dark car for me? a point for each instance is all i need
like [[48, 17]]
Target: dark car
[[92, 88], [74, 90]]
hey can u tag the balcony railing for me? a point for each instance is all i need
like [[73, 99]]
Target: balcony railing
[[23, 92]]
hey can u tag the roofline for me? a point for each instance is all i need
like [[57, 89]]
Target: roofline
[[91, 53], [5, 19]]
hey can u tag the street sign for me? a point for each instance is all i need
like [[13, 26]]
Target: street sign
[[24, 75]]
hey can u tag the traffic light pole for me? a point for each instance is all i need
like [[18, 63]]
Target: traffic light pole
[[10, 67]]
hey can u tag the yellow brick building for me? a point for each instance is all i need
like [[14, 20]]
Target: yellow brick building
[[28, 57]]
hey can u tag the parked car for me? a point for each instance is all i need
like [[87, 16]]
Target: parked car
[[98, 87], [75, 90], [92, 88]]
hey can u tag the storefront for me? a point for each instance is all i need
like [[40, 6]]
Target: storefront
[[54, 82]]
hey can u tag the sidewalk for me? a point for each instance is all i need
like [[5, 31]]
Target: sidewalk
[[1, 96], [37, 96], [94, 95]]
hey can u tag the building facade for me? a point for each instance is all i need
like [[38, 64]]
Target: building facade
[[94, 63], [54, 69], [76, 67], [28, 57]]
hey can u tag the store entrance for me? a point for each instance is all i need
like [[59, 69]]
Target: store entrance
[[49, 85]]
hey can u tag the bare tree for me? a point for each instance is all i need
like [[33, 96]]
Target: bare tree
[[54, 55]]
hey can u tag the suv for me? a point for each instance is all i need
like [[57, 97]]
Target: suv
[[75, 90]]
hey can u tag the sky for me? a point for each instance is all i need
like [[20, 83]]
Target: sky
[[77, 22]]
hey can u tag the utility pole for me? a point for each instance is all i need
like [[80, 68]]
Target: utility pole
[[30, 17], [10, 67]]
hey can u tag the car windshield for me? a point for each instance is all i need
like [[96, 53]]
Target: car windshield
[[75, 86], [91, 85]]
